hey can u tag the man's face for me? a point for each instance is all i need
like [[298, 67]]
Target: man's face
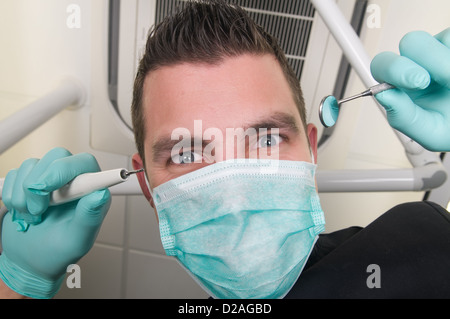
[[245, 92]]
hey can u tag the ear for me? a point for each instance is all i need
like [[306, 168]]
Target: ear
[[312, 137], [138, 164]]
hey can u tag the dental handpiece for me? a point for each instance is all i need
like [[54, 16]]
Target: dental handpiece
[[329, 106], [85, 184]]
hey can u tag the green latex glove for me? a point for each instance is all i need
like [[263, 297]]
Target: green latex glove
[[420, 106], [39, 242]]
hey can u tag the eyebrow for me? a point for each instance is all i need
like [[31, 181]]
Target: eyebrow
[[164, 145], [276, 120]]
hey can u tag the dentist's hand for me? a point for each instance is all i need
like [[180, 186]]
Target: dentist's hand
[[39, 241], [420, 106]]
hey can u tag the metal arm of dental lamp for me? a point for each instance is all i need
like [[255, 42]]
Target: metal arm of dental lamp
[[15, 127], [381, 180]]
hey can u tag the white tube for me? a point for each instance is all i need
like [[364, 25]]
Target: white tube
[[364, 180], [416, 179], [2, 180], [84, 184], [441, 195], [347, 39], [131, 187], [87, 183], [23, 122]]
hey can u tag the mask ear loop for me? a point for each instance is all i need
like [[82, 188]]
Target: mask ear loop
[[145, 186], [148, 185], [313, 159], [154, 200]]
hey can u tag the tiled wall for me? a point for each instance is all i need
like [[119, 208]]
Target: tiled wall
[[128, 260]]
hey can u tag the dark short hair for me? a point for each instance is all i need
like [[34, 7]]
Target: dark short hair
[[205, 31]]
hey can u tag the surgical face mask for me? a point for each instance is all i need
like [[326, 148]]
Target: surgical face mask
[[242, 229]]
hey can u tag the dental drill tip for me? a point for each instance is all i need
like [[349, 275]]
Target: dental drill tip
[[125, 174], [134, 172]]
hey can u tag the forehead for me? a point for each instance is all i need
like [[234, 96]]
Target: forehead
[[227, 95]]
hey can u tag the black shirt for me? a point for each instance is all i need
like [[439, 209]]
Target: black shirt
[[405, 253]]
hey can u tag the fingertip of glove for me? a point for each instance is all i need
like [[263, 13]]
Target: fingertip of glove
[[399, 71], [385, 96], [97, 199], [417, 78], [444, 37], [91, 209], [38, 188], [390, 99], [400, 109], [408, 43], [24, 220]]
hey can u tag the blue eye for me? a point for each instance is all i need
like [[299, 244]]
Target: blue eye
[[269, 140], [186, 158]]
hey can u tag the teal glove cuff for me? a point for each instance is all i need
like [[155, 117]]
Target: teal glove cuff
[[26, 283]]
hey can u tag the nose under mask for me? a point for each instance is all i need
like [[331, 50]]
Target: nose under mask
[[242, 228]]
